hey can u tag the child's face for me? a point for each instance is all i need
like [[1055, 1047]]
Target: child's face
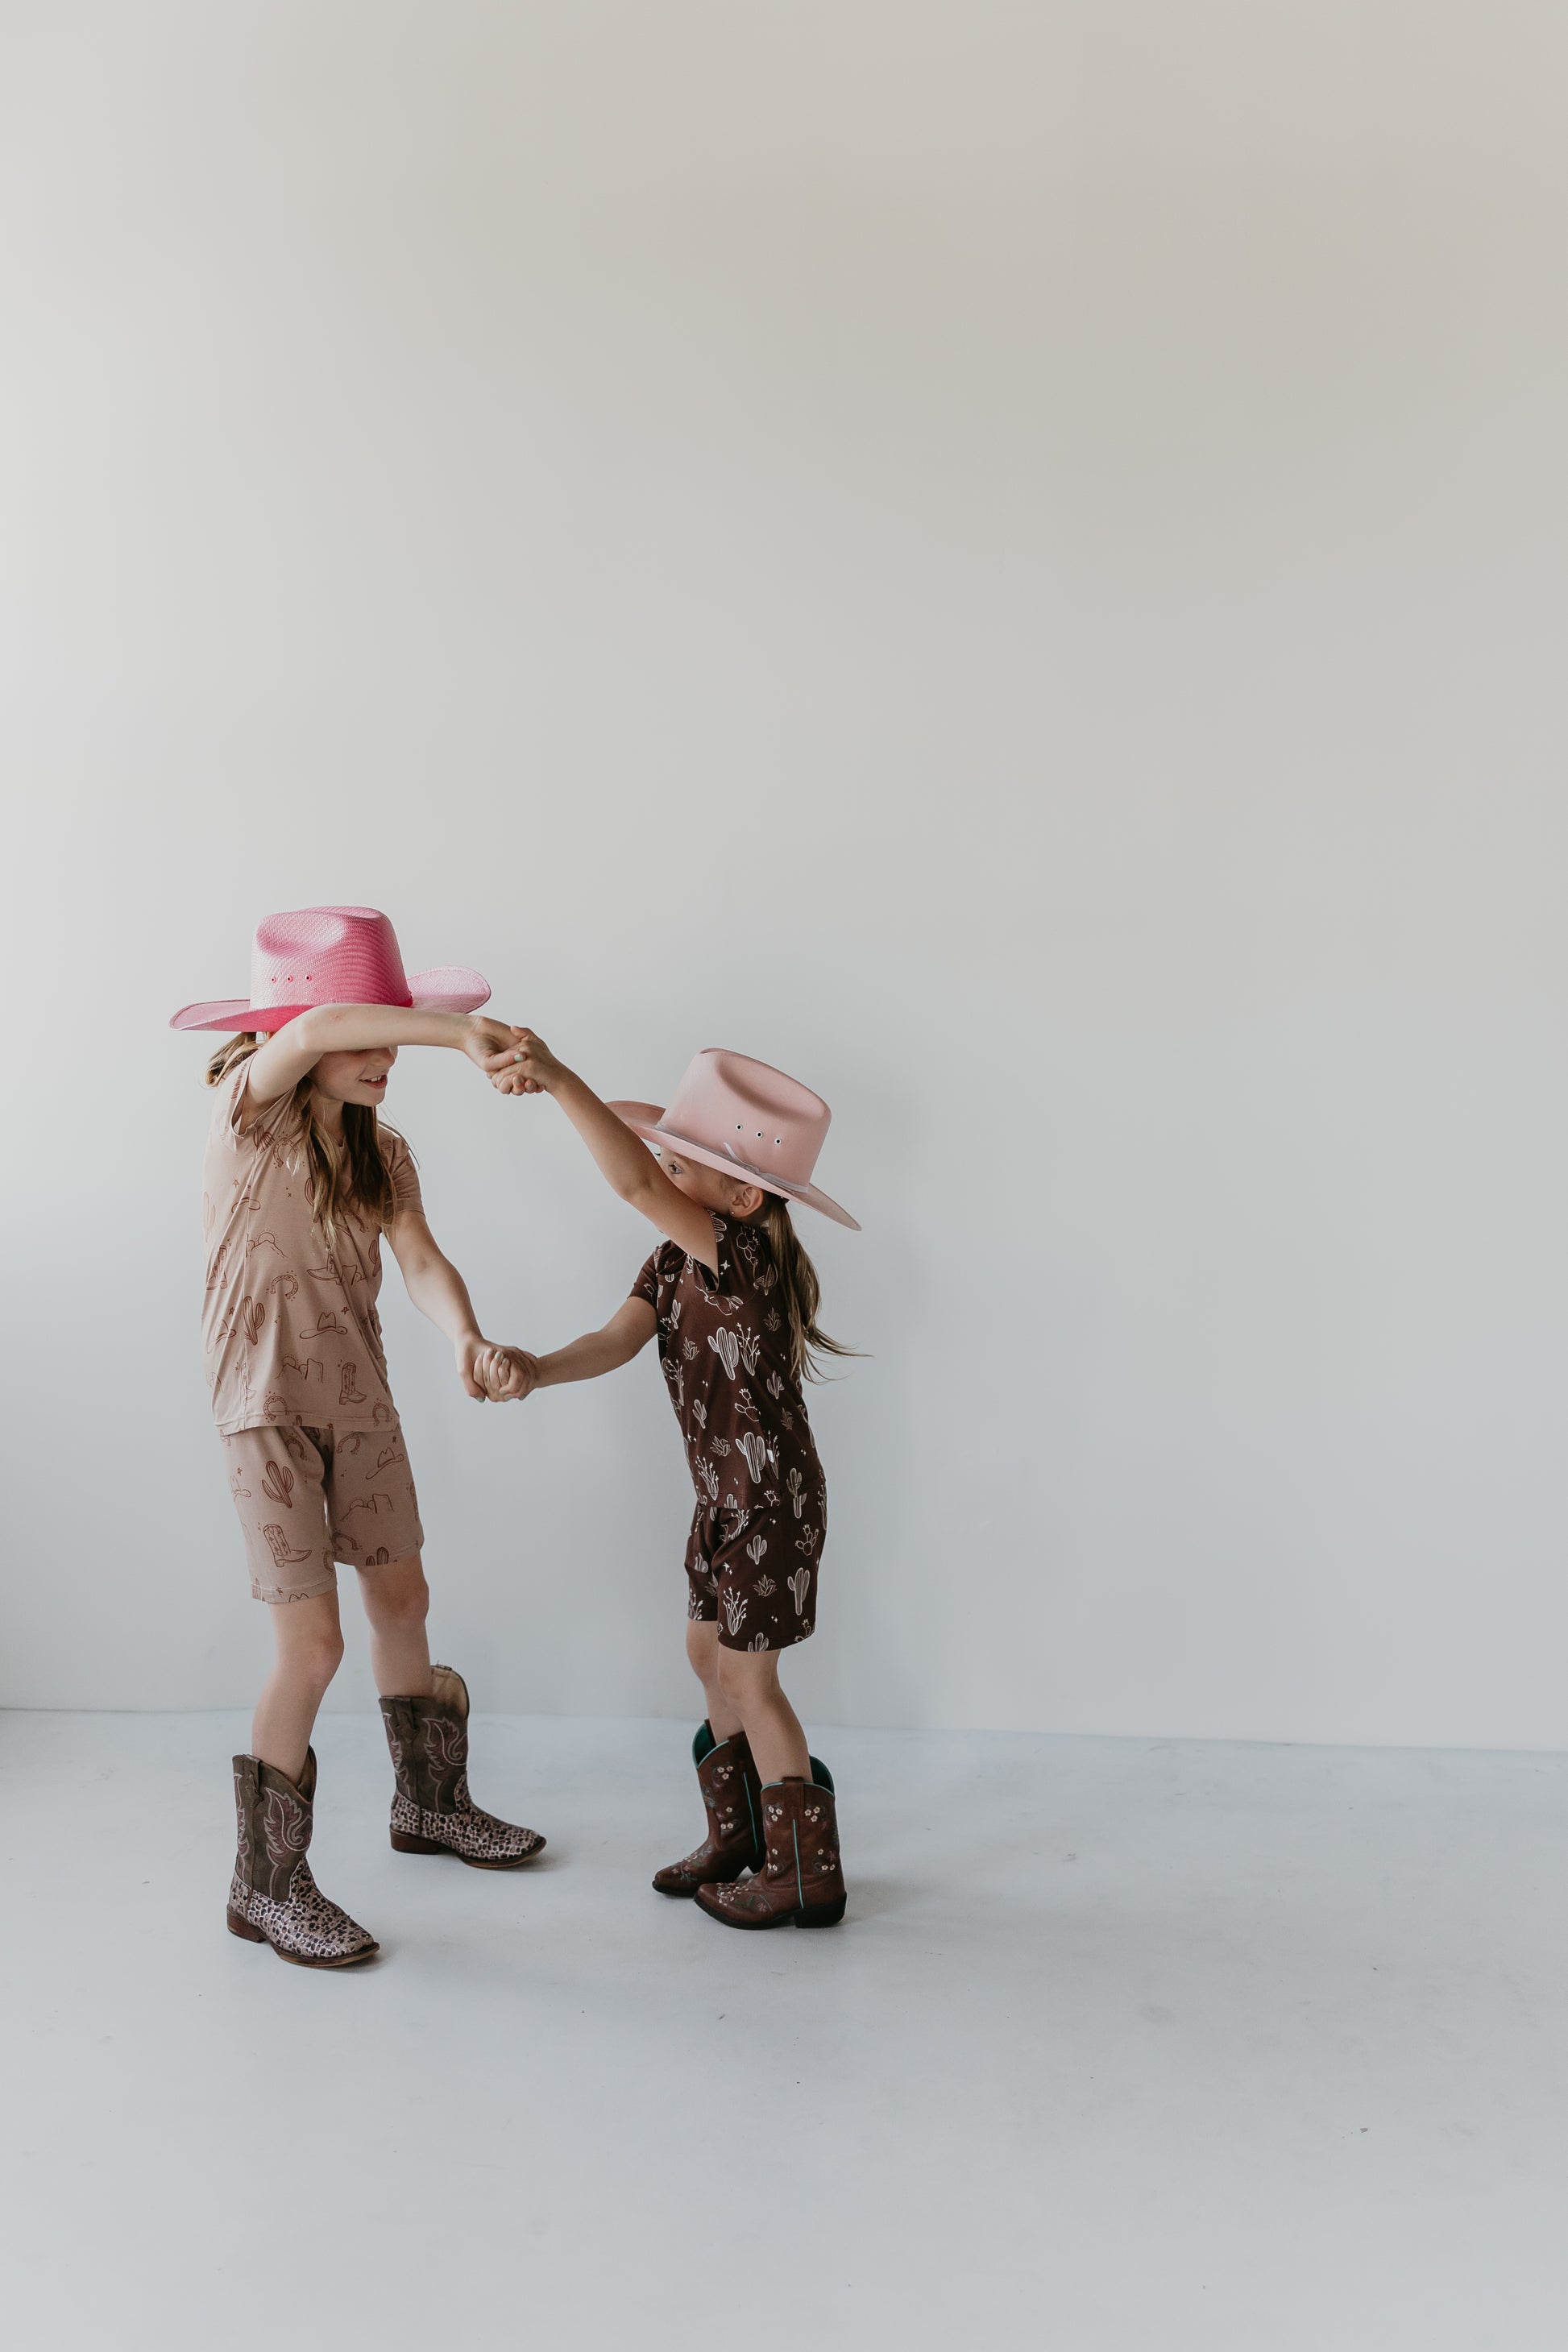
[[355, 1077]]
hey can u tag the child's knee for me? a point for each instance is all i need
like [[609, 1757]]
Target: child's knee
[[316, 1660], [744, 1675], [395, 1602], [702, 1643]]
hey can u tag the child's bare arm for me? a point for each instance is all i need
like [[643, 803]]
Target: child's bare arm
[[581, 1360], [526, 1065], [276, 1067], [439, 1291]]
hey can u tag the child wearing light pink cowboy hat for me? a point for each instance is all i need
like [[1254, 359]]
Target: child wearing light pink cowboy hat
[[731, 1297], [300, 1183]]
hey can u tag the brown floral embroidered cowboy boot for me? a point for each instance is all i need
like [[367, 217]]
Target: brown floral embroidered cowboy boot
[[272, 1897], [433, 1812], [732, 1794], [800, 1880]]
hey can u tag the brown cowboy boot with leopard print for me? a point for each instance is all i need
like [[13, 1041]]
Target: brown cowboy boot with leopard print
[[732, 1794], [800, 1880], [272, 1897], [433, 1812]]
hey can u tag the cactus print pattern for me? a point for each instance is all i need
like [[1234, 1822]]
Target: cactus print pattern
[[308, 1497], [761, 1494]]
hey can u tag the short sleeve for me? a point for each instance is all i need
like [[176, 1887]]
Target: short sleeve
[[405, 1175], [268, 1121], [647, 1284]]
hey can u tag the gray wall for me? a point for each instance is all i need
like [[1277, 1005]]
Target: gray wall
[[1008, 559]]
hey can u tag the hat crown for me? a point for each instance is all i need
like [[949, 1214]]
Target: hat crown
[[327, 955], [751, 1113], [331, 955]]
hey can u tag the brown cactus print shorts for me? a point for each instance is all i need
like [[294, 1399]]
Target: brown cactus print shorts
[[307, 1498], [760, 1584]]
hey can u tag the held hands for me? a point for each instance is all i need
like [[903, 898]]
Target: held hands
[[506, 1374], [522, 1064], [482, 1037], [493, 1374]]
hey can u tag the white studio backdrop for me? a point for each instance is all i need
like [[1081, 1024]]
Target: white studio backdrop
[[1006, 560]]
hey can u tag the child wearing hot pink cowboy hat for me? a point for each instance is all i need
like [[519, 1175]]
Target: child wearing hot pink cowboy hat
[[731, 1297], [300, 1182]]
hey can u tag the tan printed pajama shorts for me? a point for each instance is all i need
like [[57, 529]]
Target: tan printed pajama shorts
[[307, 1497]]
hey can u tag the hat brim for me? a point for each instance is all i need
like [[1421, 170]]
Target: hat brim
[[445, 988], [644, 1119]]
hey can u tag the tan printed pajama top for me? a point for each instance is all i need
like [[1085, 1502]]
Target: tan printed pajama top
[[291, 1343], [762, 1500]]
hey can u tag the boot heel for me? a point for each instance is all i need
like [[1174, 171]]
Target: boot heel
[[403, 1843], [822, 1915], [239, 1926]]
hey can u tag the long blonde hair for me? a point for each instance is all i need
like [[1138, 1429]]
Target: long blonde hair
[[353, 1174], [800, 1293]]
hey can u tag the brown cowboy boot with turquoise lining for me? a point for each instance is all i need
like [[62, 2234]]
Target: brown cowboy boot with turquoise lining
[[732, 1794], [801, 1881]]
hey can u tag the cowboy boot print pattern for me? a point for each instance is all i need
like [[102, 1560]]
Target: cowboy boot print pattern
[[300, 1493], [284, 1555], [287, 1321]]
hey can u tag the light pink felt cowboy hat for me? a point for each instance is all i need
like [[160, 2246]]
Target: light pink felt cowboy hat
[[332, 955], [747, 1120]]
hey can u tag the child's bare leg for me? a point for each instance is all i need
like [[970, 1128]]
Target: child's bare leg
[[310, 1651], [702, 1649], [749, 1682], [396, 1602]]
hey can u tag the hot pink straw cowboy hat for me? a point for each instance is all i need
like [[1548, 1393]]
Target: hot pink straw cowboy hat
[[747, 1120], [332, 955]]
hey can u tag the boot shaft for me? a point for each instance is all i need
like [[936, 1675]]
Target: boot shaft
[[429, 1741], [272, 1822], [800, 1832], [732, 1791]]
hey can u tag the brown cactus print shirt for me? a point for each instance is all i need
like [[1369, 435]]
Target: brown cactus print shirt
[[724, 1346], [290, 1331]]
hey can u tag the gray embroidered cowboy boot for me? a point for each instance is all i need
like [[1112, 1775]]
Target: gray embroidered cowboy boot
[[800, 1880], [272, 1898], [732, 1794], [433, 1812]]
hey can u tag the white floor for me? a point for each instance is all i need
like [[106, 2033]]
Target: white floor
[[1122, 2045]]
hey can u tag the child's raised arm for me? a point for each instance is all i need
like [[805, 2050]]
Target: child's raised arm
[[527, 1065], [276, 1067]]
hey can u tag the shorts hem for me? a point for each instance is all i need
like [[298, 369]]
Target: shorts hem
[[410, 1551], [735, 1642], [276, 1598]]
